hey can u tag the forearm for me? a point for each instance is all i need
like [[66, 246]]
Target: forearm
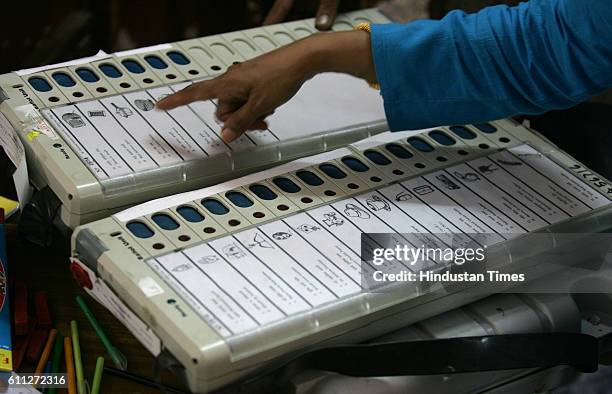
[[344, 52], [542, 55]]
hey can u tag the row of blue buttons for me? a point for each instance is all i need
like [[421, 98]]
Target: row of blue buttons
[[190, 214], [86, 74]]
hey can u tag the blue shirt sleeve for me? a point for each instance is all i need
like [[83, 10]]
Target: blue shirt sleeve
[[501, 61]]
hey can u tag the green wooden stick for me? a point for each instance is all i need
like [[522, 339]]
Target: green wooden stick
[[118, 358], [97, 379], [58, 355], [78, 365]]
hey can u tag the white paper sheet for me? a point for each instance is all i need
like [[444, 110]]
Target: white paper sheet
[[14, 150]]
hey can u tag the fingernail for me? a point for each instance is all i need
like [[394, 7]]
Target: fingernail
[[323, 20], [228, 134]]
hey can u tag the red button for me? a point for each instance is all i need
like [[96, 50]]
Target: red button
[[81, 276]]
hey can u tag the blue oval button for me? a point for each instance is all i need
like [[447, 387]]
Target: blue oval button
[[63, 79], [263, 192], [487, 128], [398, 151], [420, 144], [165, 221], [87, 75], [156, 62], [463, 132], [214, 206], [109, 70], [140, 230], [309, 178], [355, 164], [377, 157], [190, 214], [133, 66], [286, 185], [442, 138], [178, 58], [239, 199], [332, 171], [40, 84]]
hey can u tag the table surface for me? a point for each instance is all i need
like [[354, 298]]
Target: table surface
[[47, 269]]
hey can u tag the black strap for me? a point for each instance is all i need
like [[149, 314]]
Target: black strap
[[432, 357]]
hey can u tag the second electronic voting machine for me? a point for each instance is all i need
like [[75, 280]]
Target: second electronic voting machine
[[93, 137], [236, 277]]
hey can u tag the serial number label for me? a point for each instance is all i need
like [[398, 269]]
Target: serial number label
[[57, 380]]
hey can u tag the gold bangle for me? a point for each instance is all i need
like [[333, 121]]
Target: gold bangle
[[365, 26]]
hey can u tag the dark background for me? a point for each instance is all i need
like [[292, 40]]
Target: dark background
[[46, 32]]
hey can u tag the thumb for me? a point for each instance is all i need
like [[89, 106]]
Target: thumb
[[326, 14], [240, 121]]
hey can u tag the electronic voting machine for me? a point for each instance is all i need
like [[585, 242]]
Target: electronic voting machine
[[91, 133], [233, 277]]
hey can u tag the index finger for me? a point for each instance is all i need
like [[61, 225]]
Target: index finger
[[278, 12], [204, 90]]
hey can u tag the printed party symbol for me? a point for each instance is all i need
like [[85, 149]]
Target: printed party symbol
[[233, 251], [208, 259], [353, 211], [181, 268], [260, 241], [144, 105], [307, 228], [375, 203], [331, 219], [530, 155], [450, 185], [97, 113], [279, 236], [403, 196], [124, 112], [487, 169], [509, 163], [73, 119], [468, 176], [423, 190]]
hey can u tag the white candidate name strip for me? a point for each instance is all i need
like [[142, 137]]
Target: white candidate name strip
[[399, 222], [315, 233], [267, 281], [182, 142], [101, 152], [543, 185], [466, 198], [234, 284], [311, 291], [193, 125], [215, 298], [497, 198], [152, 142], [258, 137], [561, 176], [74, 143], [124, 144], [352, 211], [206, 110], [344, 232], [332, 277], [462, 217], [409, 196], [519, 190]]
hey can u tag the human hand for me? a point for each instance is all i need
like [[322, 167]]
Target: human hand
[[249, 92], [326, 13]]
